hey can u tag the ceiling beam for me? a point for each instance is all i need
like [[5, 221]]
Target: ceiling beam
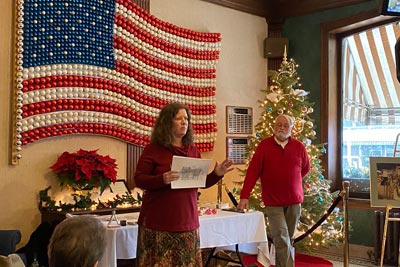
[[254, 7], [279, 10], [293, 8]]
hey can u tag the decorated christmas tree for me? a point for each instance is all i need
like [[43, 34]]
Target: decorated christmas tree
[[285, 96]]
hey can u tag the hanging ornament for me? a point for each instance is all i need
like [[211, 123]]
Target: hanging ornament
[[300, 92], [320, 200], [269, 109], [310, 110], [323, 150], [258, 135], [307, 142], [304, 109], [274, 97], [298, 125], [290, 104], [280, 111], [321, 177]]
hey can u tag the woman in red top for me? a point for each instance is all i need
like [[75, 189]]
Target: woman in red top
[[168, 221]]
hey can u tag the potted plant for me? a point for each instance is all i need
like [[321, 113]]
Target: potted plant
[[85, 169]]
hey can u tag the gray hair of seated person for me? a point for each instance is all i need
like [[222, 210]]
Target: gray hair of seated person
[[78, 241]]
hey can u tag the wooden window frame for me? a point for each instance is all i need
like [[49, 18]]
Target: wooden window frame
[[332, 34]]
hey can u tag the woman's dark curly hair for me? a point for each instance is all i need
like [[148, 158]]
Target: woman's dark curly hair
[[162, 130]]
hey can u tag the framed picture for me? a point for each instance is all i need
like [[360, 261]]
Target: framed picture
[[119, 187], [385, 181]]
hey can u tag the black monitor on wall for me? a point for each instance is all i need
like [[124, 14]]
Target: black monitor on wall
[[390, 7]]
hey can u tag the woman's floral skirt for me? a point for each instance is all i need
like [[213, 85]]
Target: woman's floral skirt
[[168, 249]]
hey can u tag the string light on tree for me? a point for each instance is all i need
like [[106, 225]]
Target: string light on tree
[[285, 96]]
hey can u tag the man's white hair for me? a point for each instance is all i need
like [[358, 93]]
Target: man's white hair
[[290, 119]]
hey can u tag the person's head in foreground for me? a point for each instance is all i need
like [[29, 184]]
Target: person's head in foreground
[[78, 241]]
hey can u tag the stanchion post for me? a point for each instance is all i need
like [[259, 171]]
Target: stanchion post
[[219, 194], [346, 187]]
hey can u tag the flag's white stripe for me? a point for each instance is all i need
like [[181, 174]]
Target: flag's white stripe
[[101, 94], [159, 53], [161, 74], [78, 116], [159, 33]]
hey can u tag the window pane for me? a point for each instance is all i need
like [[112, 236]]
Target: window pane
[[360, 142]]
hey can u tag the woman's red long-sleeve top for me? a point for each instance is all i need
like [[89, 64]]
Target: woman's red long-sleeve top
[[281, 172], [163, 208]]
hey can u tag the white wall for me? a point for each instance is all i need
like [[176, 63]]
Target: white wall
[[241, 73]]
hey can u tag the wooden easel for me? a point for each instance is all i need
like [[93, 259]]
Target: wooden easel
[[385, 227], [387, 218], [395, 145]]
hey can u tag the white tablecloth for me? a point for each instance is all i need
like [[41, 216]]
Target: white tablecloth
[[224, 229]]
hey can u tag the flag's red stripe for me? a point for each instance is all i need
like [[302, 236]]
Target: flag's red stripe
[[163, 64], [163, 84], [204, 128], [33, 135], [100, 83], [168, 27], [205, 147], [163, 45]]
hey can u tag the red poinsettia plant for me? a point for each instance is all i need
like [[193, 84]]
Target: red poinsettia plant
[[86, 169]]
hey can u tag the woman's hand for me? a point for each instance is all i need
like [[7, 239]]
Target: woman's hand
[[170, 176], [222, 168]]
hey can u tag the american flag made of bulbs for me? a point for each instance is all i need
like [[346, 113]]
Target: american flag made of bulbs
[[107, 67]]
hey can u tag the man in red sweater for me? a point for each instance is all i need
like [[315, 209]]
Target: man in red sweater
[[280, 162]]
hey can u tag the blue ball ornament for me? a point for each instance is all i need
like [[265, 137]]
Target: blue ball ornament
[[323, 150], [320, 200], [269, 109], [321, 177]]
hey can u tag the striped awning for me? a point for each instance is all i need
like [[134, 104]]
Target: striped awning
[[371, 91]]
